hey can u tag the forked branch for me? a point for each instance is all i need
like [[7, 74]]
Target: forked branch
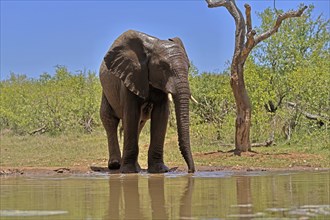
[[251, 39]]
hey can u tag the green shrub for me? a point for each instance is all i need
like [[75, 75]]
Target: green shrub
[[53, 104]]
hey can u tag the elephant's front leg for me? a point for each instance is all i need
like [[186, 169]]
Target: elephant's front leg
[[131, 120], [159, 118]]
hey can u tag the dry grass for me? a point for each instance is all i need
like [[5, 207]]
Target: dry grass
[[91, 149]]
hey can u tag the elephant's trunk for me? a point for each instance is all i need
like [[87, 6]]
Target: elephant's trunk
[[181, 102], [181, 96]]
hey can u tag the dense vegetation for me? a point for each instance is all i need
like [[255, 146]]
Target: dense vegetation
[[287, 78], [51, 104]]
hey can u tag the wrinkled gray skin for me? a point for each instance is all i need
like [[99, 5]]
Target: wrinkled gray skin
[[136, 75]]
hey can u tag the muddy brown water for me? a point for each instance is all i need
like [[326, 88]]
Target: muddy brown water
[[203, 195]]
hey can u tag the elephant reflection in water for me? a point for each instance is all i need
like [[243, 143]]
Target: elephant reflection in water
[[160, 210], [156, 187], [124, 198], [127, 201], [186, 200]]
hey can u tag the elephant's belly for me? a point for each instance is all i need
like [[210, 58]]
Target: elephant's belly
[[111, 86]]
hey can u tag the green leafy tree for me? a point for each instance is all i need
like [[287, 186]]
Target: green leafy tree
[[296, 62], [299, 43]]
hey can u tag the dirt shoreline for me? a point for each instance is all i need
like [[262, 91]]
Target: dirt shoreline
[[92, 170]]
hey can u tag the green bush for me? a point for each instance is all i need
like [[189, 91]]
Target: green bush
[[53, 104]]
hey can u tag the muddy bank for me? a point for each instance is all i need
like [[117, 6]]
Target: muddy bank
[[90, 170]]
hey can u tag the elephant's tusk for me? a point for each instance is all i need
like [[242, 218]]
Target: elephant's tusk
[[193, 99], [170, 97]]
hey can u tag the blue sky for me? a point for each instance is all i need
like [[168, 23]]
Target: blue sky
[[38, 35]]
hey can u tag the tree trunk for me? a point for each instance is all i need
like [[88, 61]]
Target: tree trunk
[[243, 115], [243, 104]]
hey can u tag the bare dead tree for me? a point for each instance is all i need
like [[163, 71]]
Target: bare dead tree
[[245, 40]]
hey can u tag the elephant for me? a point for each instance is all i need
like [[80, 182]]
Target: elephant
[[139, 76]]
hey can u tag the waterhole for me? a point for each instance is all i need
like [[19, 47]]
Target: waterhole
[[203, 195]]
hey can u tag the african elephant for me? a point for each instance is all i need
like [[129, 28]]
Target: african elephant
[[137, 75]]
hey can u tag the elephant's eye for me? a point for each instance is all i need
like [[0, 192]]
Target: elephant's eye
[[164, 66]]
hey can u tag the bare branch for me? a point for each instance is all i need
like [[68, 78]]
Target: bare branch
[[267, 143], [321, 117], [280, 18], [248, 17], [216, 3], [239, 22], [250, 43], [250, 33], [239, 32], [41, 130]]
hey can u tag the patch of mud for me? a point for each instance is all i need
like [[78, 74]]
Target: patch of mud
[[20, 171], [11, 171], [90, 170]]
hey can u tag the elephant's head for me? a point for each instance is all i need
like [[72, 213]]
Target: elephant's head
[[140, 60]]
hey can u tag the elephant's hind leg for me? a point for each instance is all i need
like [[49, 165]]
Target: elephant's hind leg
[[110, 123]]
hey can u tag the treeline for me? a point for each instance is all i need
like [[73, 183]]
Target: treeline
[[53, 104], [70, 102], [287, 78]]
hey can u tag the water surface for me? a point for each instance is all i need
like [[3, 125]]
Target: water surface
[[203, 195]]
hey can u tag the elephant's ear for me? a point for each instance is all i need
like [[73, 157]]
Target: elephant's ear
[[127, 59]]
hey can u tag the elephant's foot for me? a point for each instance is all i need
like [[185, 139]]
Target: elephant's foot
[[130, 168], [158, 168], [113, 164]]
